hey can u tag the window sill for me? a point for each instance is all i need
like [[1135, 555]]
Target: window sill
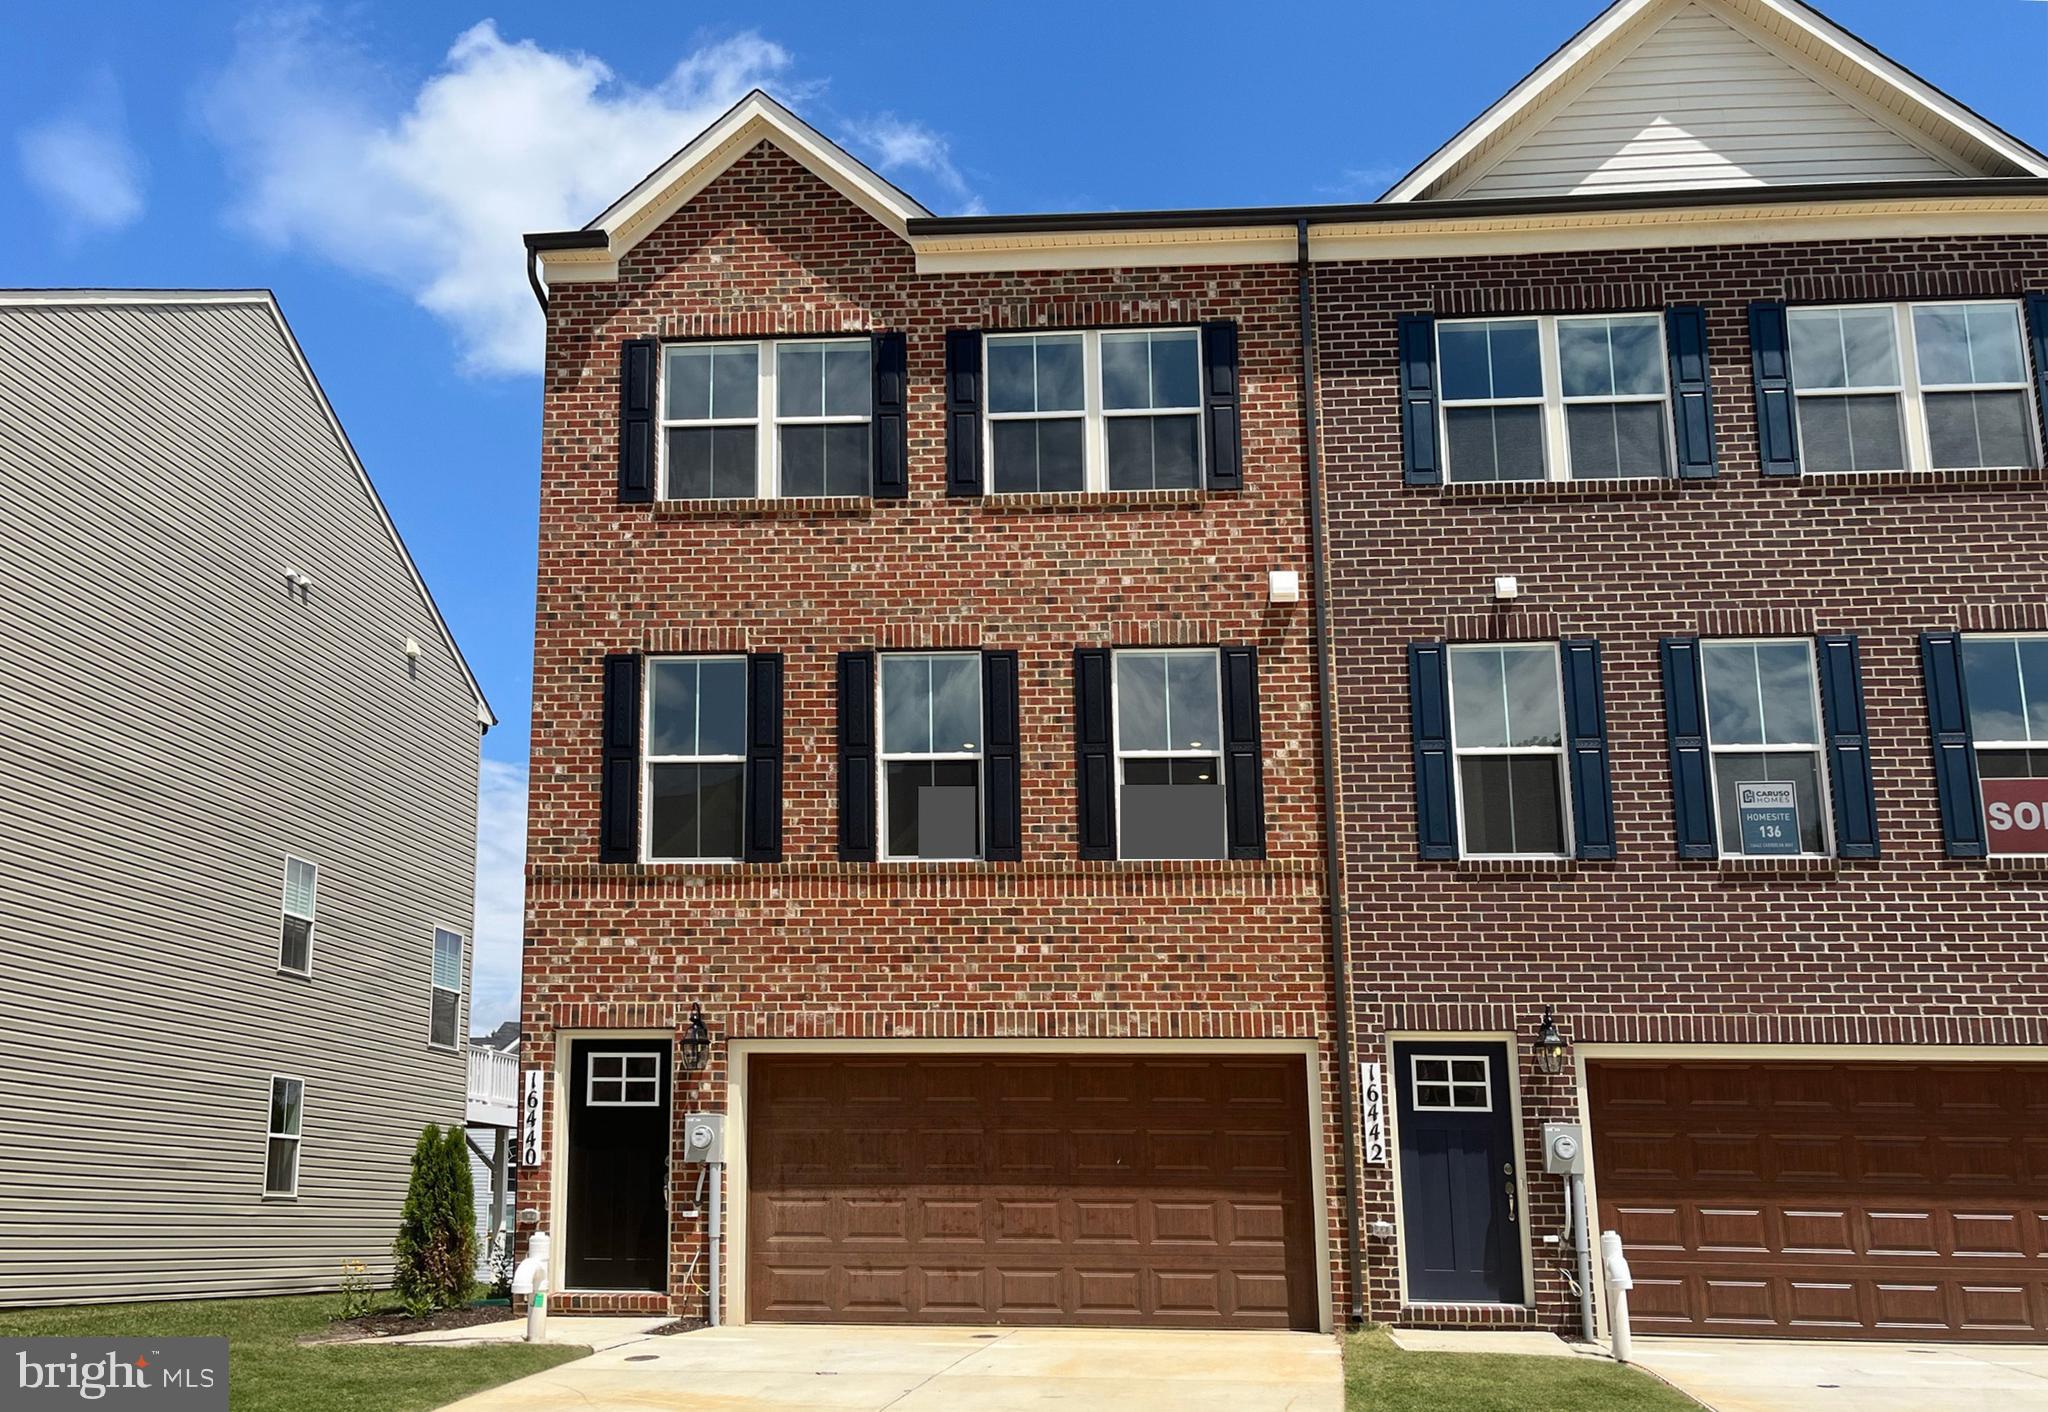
[[1519, 867], [1817, 867], [1097, 500], [1823, 481], [798, 505], [1622, 488]]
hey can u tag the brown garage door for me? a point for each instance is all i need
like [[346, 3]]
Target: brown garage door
[[1879, 1200], [1028, 1190]]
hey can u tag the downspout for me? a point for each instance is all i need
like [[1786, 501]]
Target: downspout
[[540, 292], [1333, 844]]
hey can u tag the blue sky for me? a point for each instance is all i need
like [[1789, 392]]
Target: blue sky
[[374, 164]]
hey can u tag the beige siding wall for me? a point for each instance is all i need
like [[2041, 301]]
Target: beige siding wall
[[172, 724], [1697, 103]]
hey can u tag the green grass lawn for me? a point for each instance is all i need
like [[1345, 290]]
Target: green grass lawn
[[268, 1371], [1379, 1377]]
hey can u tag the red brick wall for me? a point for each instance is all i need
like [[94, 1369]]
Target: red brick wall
[[1912, 947], [1050, 947]]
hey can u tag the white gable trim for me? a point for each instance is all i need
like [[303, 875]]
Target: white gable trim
[[1831, 56]]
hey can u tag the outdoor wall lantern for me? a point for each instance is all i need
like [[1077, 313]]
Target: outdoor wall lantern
[[1549, 1044], [696, 1041]]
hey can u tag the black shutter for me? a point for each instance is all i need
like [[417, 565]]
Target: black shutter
[[764, 758], [1429, 718], [1692, 398], [1001, 759], [1421, 463], [618, 791], [2037, 334], [1585, 723], [1244, 769], [856, 687], [1219, 406], [1777, 416], [891, 417], [1841, 705], [1955, 750], [1685, 728], [1094, 754], [639, 385], [963, 412]]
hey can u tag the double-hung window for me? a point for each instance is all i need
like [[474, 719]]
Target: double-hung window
[[1888, 387], [295, 947], [1555, 398], [1507, 734], [2006, 680], [1169, 750], [783, 418], [1763, 736], [1094, 410], [281, 1153], [695, 758], [446, 1023], [931, 754]]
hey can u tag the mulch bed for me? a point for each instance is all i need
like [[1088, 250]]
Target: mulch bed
[[387, 1324], [681, 1326]]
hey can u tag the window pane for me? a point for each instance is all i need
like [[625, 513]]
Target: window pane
[[1169, 819], [1978, 429], [1154, 453], [1495, 443], [712, 463], [906, 704], [934, 808], [1851, 433], [1996, 353], [694, 810], [295, 952], [1803, 770], [1534, 715], [671, 706], [849, 378], [286, 1099], [1479, 708], [1462, 361], [1059, 373], [1432, 1070], [1824, 434], [1141, 701], [299, 879], [1991, 677], [1759, 693], [1538, 804], [1785, 670], [1596, 455], [447, 1005], [686, 384], [281, 1166], [696, 706], [1491, 359], [2034, 672], [1468, 1098], [1512, 804], [447, 959], [1010, 376], [1638, 355], [800, 379], [1584, 360], [1126, 370], [1035, 374], [1734, 711], [825, 460], [1469, 1071], [1969, 343], [735, 380], [2012, 764], [1433, 1096], [1039, 456], [956, 703], [1869, 339], [1816, 348], [1193, 712], [1177, 369], [1941, 339], [1505, 696]]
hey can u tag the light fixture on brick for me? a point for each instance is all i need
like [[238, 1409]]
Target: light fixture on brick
[[1549, 1044]]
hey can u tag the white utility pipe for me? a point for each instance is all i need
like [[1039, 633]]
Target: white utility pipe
[[531, 1280], [1619, 1282], [1581, 1222], [717, 1170]]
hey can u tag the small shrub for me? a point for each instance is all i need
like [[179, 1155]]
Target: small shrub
[[355, 1289], [436, 1244]]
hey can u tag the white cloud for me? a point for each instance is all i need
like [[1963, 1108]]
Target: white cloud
[[898, 145], [429, 192], [81, 161], [500, 895], [1362, 183]]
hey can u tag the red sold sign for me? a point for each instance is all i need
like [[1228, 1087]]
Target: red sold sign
[[2016, 812]]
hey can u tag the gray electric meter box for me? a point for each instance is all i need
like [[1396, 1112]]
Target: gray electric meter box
[[704, 1137], [1564, 1149]]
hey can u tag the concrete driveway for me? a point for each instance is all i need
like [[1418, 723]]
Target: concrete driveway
[[785, 1368], [1779, 1375]]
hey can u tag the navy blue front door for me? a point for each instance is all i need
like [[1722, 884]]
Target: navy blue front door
[[1461, 1219]]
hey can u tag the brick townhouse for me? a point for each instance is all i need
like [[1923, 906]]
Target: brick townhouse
[[943, 623]]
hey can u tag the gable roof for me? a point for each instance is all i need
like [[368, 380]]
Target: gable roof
[[266, 301], [1629, 103]]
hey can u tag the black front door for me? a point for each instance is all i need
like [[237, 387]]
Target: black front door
[[618, 1164], [1461, 1219]]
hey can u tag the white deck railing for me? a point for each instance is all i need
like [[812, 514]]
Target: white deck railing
[[493, 1088]]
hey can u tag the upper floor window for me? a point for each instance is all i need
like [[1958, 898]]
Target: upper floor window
[[1094, 411], [1888, 387], [281, 1152], [931, 754], [446, 1023], [2006, 680], [295, 948], [783, 418], [1555, 398], [1763, 737], [1507, 734], [695, 755], [1169, 751]]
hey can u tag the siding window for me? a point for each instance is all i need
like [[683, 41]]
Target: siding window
[[1094, 411], [1763, 728], [1507, 737], [748, 420], [281, 1154], [447, 1018], [1952, 395], [2006, 682], [695, 758], [1581, 398], [295, 948], [931, 754], [1169, 750]]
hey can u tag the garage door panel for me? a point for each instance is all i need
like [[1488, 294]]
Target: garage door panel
[[1017, 1207], [1908, 1205]]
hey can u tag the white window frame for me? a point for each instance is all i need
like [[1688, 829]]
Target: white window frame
[[1557, 451], [1567, 839], [1909, 391], [1094, 416], [1977, 746], [1116, 731], [884, 758], [649, 761], [767, 420], [1819, 750], [625, 1079], [270, 1135], [308, 917], [1484, 1083], [434, 987]]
